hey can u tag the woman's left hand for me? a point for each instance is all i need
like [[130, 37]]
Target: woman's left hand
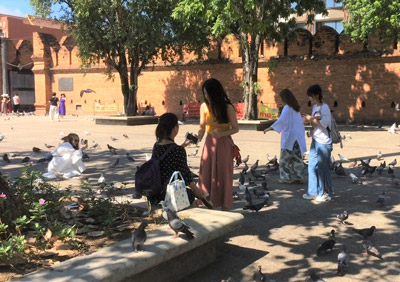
[[217, 133], [186, 143]]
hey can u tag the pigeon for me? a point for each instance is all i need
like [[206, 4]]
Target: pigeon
[[369, 249], [6, 159], [381, 199], [342, 261], [264, 185], [125, 135], [256, 175], [178, 225], [2, 137], [365, 162], [258, 206], [258, 276], [85, 156], [395, 180], [36, 150], [343, 216], [339, 170], [26, 160], [95, 145], [112, 149], [101, 179], [164, 210], [241, 178], [379, 156], [86, 133], [353, 164], [381, 167], [314, 277], [274, 167], [272, 160], [368, 169], [84, 141], [194, 153], [245, 168], [62, 134], [49, 146], [254, 166], [115, 163], [113, 138], [252, 183], [393, 163], [148, 157], [86, 91], [366, 232], [258, 193], [327, 245], [139, 236], [343, 158], [248, 197], [390, 171], [246, 159], [129, 157], [355, 179], [392, 129]]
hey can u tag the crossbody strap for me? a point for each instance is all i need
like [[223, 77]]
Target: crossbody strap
[[170, 148]]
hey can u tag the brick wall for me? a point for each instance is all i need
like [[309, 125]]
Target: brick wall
[[350, 77]]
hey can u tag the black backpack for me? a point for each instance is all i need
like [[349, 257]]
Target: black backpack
[[148, 175]]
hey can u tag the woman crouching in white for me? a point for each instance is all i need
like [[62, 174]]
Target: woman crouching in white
[[67, 159]]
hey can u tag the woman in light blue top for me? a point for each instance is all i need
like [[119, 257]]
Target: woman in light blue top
[[319, 160], [293, 143]]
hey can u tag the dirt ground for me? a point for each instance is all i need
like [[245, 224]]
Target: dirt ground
[[283, 237]]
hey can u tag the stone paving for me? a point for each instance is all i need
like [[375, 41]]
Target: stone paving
[[284, 236]]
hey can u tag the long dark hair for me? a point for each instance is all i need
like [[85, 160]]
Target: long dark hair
[[218, 99], [315, 90], [166, 123], [70, 137], [289, 99]]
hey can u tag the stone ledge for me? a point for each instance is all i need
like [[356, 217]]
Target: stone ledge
[[135, 120], [120, 263]]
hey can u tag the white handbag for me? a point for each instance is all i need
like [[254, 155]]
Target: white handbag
[[176, 197]]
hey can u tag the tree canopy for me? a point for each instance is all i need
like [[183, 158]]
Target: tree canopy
[[370, 16], [126, 34], [251, 21]]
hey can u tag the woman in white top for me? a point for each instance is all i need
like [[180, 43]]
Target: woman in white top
[[67, 159], [293, 143], [319, 160]]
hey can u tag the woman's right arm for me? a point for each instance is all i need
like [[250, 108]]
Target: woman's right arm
[[203, 115]]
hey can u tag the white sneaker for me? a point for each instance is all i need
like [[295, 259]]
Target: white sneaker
[[308, 197], [323, 198]]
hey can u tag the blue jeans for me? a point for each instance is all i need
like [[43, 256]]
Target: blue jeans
[[319, 173]]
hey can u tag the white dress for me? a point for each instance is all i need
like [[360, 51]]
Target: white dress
[[66, 162]]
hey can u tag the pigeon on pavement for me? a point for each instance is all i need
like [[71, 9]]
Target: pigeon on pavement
[[342, 261], [393, 163], [355, 179], [369, 249], [381, 199], [178, 225], [257, 206], [101, 179], [129, 157], [327, 245], [314, 277], [194, 153], [381, 167], [245, 168], [113, 138], [246, 159], [139, 236], [6, 159], [115, 163], [247, 195], [125, 135], [339, 170], [258, 193], [344, 159], [365, 232], [254, 166], [258, 276], [26, 160], [36, 150], [49, 146], [2, 137], [241, 178], [112, 149], [343, 216]]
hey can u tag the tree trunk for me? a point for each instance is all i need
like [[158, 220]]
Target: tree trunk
[[250, 74], [10, 207], [122, 69]]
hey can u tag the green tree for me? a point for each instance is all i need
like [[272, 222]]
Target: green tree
[[368, 17], [251, 21], [126, 34]]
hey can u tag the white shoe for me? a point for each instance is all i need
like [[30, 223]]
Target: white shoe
[[308, 197], [323, 198]]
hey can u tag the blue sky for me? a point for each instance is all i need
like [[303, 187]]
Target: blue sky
[[19, 8]]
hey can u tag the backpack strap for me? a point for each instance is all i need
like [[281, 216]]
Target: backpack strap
[[170, 148]]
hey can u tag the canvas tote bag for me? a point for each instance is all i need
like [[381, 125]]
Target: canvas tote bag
[[176, 197]]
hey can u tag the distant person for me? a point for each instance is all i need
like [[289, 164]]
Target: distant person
[[5, 101], [16, 101], [319, 158], [61, 108], [67, 159], [53, 111], [293, 140], [148, 111], [218, 119]]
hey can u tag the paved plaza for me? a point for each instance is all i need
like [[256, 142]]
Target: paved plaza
[[283, 237]]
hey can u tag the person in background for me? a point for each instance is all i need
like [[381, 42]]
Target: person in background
[[67, 159], [319, 159], [148, 111], [293, 140], [5, 103], [61, 108], [53, 111], [16, 102], [218, 116]]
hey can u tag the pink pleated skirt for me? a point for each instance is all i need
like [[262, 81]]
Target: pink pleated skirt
[[216, 170]]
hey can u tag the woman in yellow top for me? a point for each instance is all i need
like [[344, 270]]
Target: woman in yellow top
[[216, 165]]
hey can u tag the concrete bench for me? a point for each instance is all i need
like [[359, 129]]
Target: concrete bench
[[163, 259], [134, 120]]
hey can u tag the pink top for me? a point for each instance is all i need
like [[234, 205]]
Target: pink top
[[16, 100]]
